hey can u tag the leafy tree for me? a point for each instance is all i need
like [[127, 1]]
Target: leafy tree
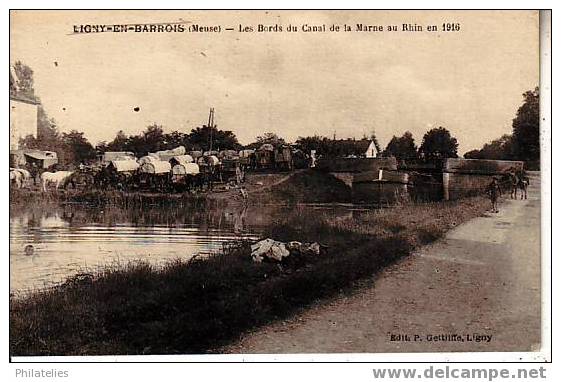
[[526, 128], [524, 143], [316, 142], [24, 82], [71, 147], [76, 147], [344, 147], [175, 139], [332, 148], [438, 144], [150, 140], [402, 147], [498, 149], [119, 143], [154, 137], [202, 138], [270, 138], [101, 147], [28, 142]]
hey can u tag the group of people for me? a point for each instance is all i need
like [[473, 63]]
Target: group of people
[[514, 180]]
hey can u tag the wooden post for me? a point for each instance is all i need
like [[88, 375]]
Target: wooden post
[[446, 185]]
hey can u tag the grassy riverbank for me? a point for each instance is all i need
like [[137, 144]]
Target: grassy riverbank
[[198, 306], [102, 198], [304, 186]]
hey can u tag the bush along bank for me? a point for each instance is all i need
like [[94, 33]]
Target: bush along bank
[[199, 305]]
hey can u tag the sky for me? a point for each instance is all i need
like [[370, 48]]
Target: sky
[[291, 83]]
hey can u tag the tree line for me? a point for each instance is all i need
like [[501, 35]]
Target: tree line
[[154, 139], [437, 143], [524, 141], [522, 144]]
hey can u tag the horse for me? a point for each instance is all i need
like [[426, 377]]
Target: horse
[[58, 178], [512, 181], [197, 182], [25, 176], [82, 178], [523, 184], [204, 177], [102, 178], [16, 178], [185, 183], [516, 179]]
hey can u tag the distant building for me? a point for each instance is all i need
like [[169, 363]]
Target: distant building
[[23, 113], [354, 148]]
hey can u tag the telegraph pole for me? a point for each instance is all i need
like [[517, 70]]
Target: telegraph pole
[[211, 126]]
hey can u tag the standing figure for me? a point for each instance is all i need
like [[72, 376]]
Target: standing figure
[[514, 184], [34, 171], [494, 191]]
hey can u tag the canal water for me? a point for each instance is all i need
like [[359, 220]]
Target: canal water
[[70, 239]]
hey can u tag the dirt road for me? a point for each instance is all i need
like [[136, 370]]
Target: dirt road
[[477, 289]]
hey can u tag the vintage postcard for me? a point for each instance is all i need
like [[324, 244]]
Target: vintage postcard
[[275, 182]]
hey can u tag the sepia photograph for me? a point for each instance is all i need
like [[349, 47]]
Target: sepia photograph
[[245, 182]]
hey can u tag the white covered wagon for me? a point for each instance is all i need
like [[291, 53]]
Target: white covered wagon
[[154, 176], [185, 168], [155, 167], [166, 155], [118, 174], [149, 159], [184, 173], [124, 165]]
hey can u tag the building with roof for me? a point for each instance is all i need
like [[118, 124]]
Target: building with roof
[[23, 113], [353, 148]]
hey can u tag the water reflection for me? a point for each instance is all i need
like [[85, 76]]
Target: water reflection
[[67, 239]]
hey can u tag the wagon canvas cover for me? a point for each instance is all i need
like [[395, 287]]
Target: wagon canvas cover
[[156, 167], [185, 169], [124, 165]]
